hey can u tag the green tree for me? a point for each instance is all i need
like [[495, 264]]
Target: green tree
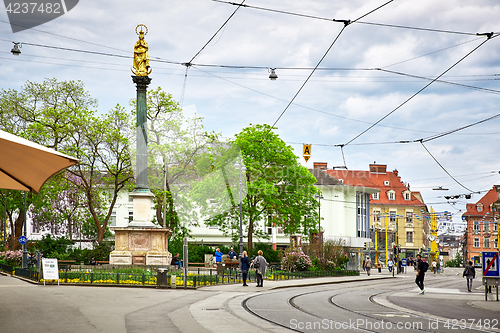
[[276, 185], [61, 115], [174, 143]]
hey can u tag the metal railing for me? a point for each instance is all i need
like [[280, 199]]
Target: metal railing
[[28, 273], [6, 268], [195, 278]]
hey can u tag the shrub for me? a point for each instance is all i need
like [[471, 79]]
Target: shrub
[[13, 258], [295, 260]]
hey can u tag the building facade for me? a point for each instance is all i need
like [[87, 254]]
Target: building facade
[[398, 216], [482, 229], [344, 210]]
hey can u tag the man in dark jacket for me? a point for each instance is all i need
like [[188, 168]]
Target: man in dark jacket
[[419, 280]]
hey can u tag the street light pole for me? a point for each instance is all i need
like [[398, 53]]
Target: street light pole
[[319, 196], [242, 168]]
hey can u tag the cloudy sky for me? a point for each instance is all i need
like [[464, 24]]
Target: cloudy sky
[[373, 68]]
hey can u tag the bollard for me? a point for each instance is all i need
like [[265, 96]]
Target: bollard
[[173, 282]]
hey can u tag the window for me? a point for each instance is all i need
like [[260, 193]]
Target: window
[[409, 217], [480, 207], [409, 236], [486, 242], [375, 196], [495, 227], [392, 216], [35, 228], [476, 225], [376, 218], [130, 216], [112, 220], [495, 243], [486, 226], [130, 198], [407, 196], [476, 242], [386, 183], [391, 195]]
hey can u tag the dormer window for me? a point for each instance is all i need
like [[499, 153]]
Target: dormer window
[[407, 195], [386, 183], [479, 207], [375, 196], [391, 195]]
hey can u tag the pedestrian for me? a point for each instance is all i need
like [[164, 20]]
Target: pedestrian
[[421, 269], [245, 266], [232, 254], [368, 265], [364, 265], [389, 265], [469, 273], [260, 264], [434, 266], [93, 261], [218, 256]]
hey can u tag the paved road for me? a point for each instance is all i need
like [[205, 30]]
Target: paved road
[[278, 307]]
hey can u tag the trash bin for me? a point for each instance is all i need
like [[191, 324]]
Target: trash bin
[[162, 278]]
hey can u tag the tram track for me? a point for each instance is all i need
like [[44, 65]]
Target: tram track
[[364, 316]]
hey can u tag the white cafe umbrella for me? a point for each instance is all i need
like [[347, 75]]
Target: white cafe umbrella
[[26, 166]]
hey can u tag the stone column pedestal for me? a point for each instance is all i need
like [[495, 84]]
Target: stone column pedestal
[[141, 246]]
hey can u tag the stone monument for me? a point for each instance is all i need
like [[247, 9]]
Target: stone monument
[[141, 242]]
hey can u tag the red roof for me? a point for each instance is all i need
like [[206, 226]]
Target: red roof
[[486, 201], [380, 179]]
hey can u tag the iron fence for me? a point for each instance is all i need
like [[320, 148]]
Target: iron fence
[[195, 278], [28, 273], [6, 268]]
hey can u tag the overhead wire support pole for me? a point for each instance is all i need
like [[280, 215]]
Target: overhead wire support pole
[[418, 92]]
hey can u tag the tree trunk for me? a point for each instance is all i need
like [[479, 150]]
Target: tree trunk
[[18, 230], [100, 233]]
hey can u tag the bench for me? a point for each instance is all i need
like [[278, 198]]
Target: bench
[[102, 262], [198, 264], [65, 262], [231, 264]]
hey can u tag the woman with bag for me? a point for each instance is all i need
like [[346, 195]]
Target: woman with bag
[[470, 273], [245, 266], [260, 264]]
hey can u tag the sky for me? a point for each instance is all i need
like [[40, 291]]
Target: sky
[[400, 71]]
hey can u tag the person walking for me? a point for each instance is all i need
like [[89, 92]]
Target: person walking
[[245, 266], [470, 274], [368, 265], [421, 269], [260, 264], [434, 266], [389, 265]]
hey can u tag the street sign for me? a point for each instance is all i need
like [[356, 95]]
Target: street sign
[[490, 264], [403, 262], [306, 151], [23, 240]]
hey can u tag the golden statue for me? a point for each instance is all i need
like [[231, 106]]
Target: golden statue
[[141, 54]]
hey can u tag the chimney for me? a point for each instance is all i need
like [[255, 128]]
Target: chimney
[[396, 172], [320, 165], [378, 168]]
